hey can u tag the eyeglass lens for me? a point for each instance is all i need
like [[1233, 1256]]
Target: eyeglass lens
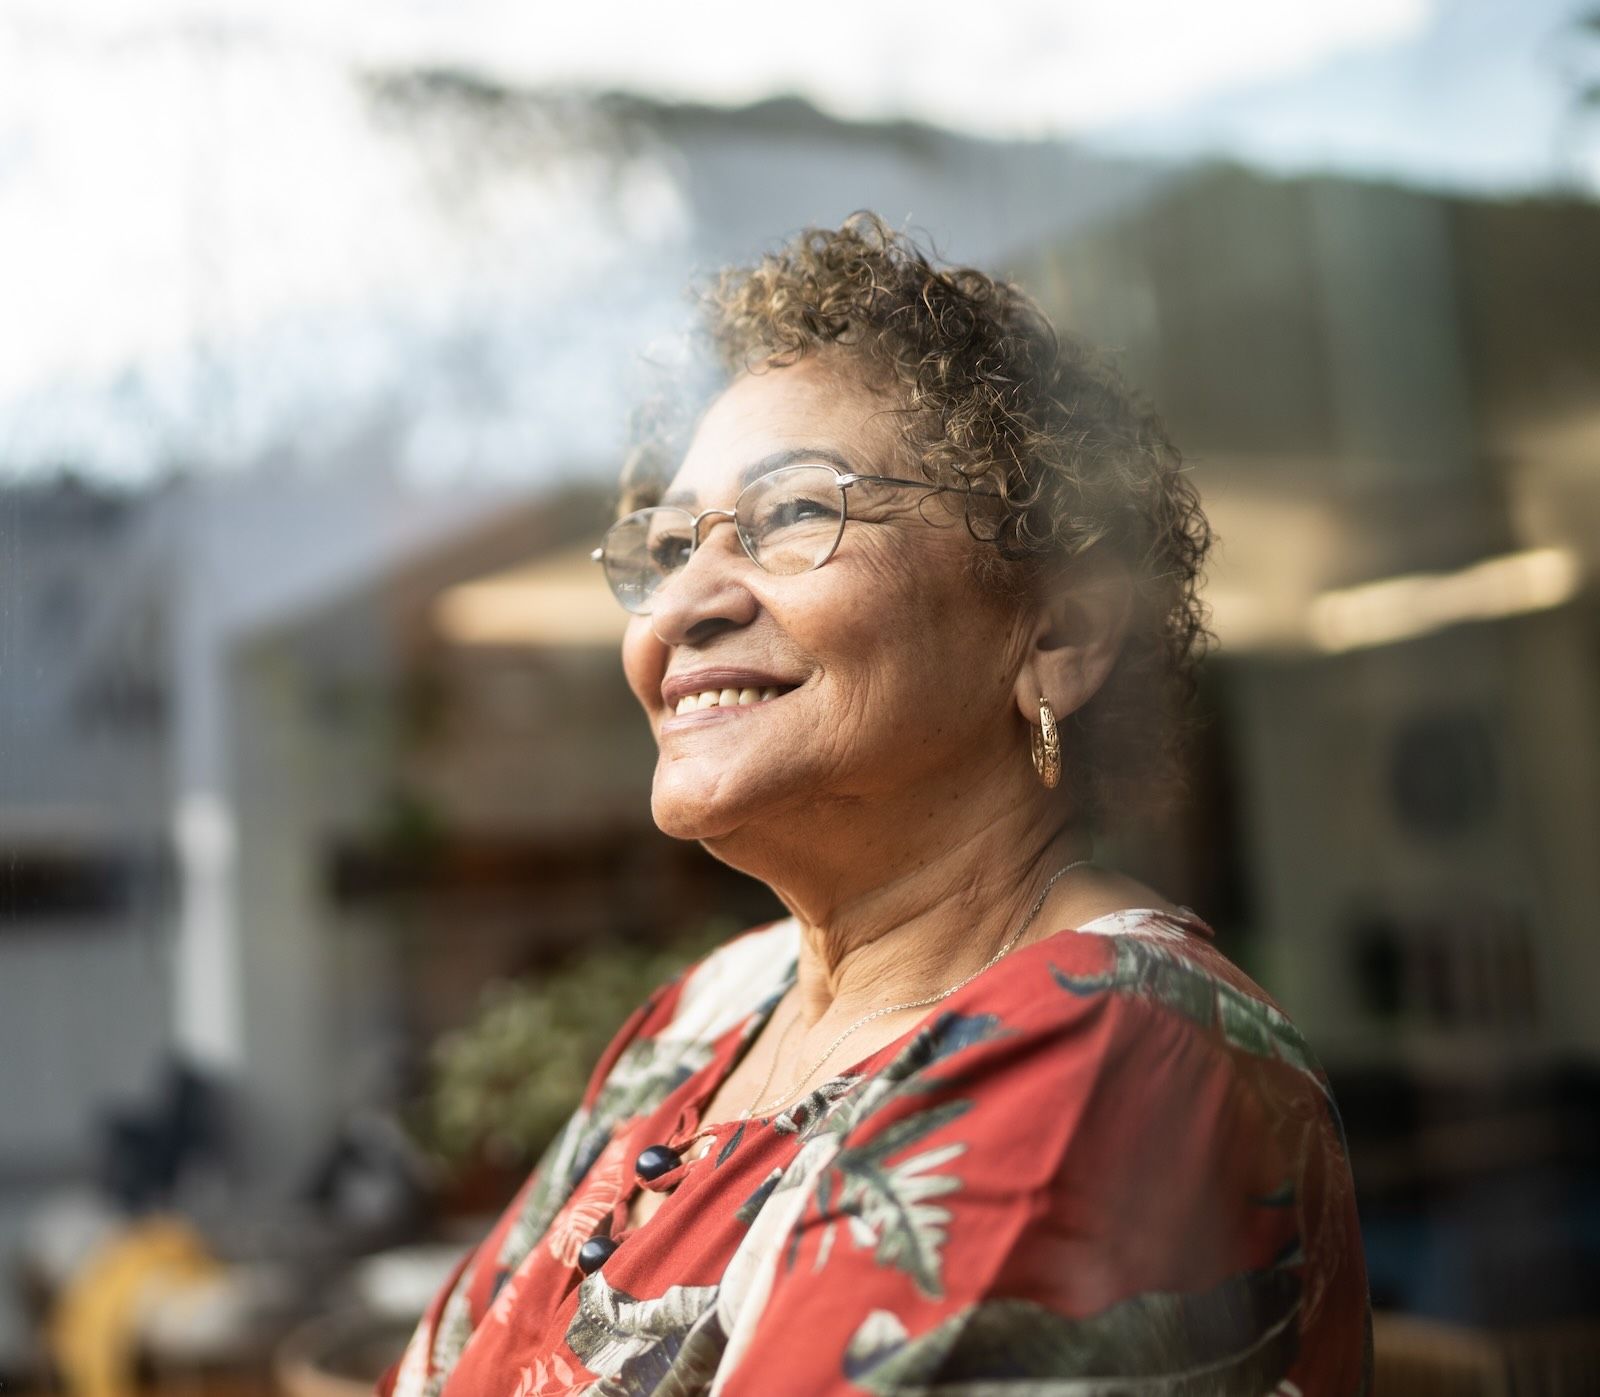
[[788, 520]]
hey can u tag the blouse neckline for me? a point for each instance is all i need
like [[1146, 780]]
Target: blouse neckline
[[1118, 923]]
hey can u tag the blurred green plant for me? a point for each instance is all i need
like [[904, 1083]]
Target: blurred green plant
[[500, 1086]]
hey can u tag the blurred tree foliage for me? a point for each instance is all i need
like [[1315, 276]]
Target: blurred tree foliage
[[501, 1086]]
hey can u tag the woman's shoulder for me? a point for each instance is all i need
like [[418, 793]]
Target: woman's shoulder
[[1165, 1135], [1105, 1051], [718, 991], [1142, 973], [1158, 956]]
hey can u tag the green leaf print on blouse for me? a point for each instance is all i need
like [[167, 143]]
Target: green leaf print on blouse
[[948, 1034], [839, 1114], [666, 1347], [553, 1181], [1141, 967], [1237, 1338], [887, 1205], [646, 1073]]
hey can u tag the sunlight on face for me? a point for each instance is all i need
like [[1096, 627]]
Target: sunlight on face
[[884, 675]]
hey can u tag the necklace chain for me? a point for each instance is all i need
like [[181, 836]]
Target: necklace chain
[[760, 1107], [772, 1068]]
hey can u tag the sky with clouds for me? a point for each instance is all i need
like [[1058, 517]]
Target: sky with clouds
[[119, 122]]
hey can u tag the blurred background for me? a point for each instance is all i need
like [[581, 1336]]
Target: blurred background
[[325, 859]]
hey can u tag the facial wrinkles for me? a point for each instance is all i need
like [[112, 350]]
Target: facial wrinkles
[[899, 694], [850, 683], [877, 673]]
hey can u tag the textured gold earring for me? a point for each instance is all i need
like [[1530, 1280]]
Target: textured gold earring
[[1046, 741]]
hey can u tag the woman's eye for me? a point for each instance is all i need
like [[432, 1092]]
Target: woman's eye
[[670, 552], [800, 510]]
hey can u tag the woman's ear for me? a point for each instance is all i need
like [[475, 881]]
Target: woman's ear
[[1079, 621]]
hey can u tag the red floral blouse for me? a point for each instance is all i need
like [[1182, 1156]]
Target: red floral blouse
[[1108, 1165]]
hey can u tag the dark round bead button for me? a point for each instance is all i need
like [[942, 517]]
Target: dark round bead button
[[656, 1161], [594, 1253]]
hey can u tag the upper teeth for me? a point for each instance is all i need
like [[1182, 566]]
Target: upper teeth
[[724, 698]]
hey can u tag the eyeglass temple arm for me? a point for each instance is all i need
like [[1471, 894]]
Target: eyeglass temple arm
[[847, 480]]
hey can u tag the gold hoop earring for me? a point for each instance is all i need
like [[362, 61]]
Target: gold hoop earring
[[1046, 744]]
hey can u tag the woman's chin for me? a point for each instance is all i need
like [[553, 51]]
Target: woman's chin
[[677, 824], [681, 816], [694, 809]]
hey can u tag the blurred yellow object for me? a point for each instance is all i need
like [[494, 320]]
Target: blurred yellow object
[[94, 1325]]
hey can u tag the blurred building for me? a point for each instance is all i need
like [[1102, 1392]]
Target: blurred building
[[85, 857], [1373, 383]]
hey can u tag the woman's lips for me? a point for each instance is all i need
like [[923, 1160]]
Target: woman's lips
[[724, 698], [700, 701], [707, 686]]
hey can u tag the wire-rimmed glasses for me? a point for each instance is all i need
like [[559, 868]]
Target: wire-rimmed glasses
[[788, 521]]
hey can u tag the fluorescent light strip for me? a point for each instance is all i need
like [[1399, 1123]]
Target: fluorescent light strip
[[1402, 608]]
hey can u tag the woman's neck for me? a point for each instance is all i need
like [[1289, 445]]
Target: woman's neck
[[901, 925]]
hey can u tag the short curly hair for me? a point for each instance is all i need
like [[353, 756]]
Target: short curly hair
[[997, 403]]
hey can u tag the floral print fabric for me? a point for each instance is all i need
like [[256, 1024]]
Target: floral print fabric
[[1108, 1165]]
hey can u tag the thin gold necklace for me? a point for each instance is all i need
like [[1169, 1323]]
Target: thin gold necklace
[[772, 1067], [760, 1107]]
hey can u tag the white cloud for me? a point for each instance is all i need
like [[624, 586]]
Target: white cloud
[[208, 241], [1005, 67], [177, 175]]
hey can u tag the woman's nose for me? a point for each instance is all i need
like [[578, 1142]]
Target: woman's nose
[[707, 593]]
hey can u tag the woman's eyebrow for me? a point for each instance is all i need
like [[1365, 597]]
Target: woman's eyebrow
[[687, 499]]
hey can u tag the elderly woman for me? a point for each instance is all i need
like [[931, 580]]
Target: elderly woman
[[909, 618]]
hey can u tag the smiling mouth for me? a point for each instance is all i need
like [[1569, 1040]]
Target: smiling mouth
[[727, 698]]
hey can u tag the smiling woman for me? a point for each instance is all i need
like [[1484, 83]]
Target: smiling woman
[[912, 612]]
